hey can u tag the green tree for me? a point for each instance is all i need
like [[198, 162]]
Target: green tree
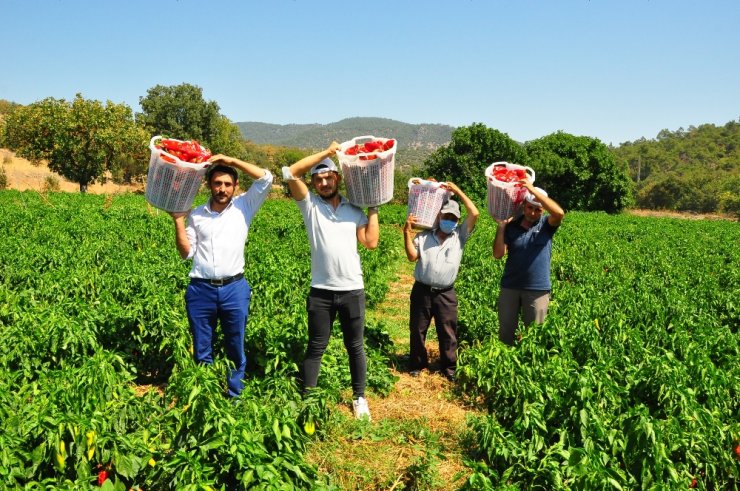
[[580, 172], [699, 164], [465, 159], [81, 140], [180, 112], [662, 195]]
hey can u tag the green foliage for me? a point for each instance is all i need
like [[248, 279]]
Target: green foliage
[[689, 170], [631, 382], [580, 172], [81, 140], [179, 111], [471, 151], [86, 325], [3, 178], [7, 107]]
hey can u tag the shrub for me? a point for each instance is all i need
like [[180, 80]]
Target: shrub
[[51, 183], [3, 178]]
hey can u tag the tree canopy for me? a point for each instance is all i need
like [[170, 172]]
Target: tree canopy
[[81, 140], [580, 172], [471, 150], [181, 112]]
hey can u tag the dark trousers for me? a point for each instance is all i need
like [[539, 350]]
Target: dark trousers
[[323, 307], [206, 305], [442, 307]]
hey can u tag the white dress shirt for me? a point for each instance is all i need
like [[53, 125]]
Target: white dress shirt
[[217, 239]]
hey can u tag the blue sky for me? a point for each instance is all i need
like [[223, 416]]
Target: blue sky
[[616, 70]]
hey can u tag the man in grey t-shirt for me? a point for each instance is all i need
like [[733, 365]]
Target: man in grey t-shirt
[[334, 227], [437, 253]]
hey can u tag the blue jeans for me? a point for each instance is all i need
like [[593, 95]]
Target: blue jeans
[[206, 305]]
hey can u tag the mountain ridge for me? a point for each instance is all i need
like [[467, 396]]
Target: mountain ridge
[[424, 137]]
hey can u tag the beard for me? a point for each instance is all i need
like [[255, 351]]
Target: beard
[[220, 197], [329, 194]]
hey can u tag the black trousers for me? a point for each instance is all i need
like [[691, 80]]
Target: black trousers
[[323, 307], [442, 307]]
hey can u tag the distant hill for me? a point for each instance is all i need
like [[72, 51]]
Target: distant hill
[[315, 136]]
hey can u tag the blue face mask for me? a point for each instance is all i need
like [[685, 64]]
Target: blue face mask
[[447, 226]]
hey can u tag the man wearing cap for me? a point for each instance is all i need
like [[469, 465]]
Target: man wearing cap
[[525, 283], [437, 253], [334, 227], [214, 238]]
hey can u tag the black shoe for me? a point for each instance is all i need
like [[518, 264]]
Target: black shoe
[[415, 373]]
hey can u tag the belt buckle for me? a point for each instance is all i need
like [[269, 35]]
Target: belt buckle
[[219, 282]]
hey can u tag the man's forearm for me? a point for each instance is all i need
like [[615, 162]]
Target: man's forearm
[[181, 237]]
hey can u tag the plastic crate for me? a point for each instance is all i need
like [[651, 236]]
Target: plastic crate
[[425, 200], [171, 184], [504, 198], [368, 182]]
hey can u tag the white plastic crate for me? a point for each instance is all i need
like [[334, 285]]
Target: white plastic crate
[[425, 200], [368, 182], [171, 184], [504, 198]]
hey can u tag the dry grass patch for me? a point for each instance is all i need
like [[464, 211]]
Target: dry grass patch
[[417, 432]]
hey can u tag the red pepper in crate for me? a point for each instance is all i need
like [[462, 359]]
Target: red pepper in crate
[[187, 151], [367, 150], [508, 175]]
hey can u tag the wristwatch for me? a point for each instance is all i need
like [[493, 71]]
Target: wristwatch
[[287, 176]]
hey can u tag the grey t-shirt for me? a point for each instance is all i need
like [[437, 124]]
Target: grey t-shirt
[[439, 262], [332, 236]]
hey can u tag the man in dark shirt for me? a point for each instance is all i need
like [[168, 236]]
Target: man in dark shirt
[[525, 284]]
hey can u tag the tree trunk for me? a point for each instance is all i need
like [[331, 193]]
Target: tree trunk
[[83, 187]]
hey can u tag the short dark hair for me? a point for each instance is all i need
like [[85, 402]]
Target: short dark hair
[[222, 168]]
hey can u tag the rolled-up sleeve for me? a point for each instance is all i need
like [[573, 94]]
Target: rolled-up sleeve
[[251, 201]]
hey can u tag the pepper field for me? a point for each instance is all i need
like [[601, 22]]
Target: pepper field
[[633, 382]]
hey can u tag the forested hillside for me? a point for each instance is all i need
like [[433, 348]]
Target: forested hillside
[[695, 169], [318, 135], [416, 141]]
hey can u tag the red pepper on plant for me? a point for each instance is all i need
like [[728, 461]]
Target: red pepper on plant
[[102, 477]]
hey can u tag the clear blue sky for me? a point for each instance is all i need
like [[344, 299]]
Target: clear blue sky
[[617, 70]]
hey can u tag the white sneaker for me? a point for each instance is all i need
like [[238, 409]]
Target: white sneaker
[[360, 408]]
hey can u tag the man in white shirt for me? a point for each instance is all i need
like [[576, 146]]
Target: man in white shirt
[[214, 238], [334, 227]]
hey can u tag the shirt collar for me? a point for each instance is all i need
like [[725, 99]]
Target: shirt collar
[[209, 210]]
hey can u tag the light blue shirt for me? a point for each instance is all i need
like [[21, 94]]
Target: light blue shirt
[[332, 236], [439, 262]]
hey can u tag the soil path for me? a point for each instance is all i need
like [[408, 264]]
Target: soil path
[[427, 400]]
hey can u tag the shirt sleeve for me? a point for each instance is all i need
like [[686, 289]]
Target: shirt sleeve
[[251, 201], [464, 234], [361, 219], [305, 205]]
